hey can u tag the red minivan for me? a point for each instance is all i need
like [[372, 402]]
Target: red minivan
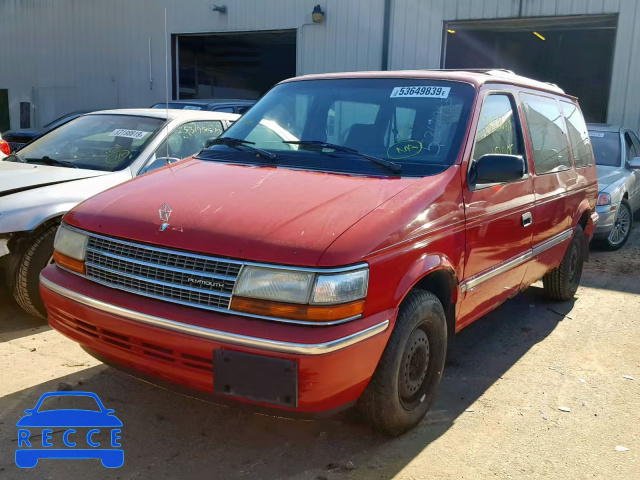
[[326, 248]]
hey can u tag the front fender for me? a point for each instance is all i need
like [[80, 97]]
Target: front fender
[[426, 264], [28, 219]]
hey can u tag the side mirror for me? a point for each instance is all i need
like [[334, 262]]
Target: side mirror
[[634, 163], [497, 168], [158, 162]]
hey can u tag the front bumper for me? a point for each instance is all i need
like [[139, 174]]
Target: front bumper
[[607, 218], [177, 344]]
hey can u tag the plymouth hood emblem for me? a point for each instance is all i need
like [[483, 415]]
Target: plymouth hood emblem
[[165, 214]]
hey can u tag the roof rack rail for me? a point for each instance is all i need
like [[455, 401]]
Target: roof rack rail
[[475, 70]]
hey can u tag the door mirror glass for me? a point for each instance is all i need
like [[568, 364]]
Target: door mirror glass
[[158, 162], [634, 164], [497, 168]]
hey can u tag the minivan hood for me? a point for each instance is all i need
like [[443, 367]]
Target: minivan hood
[[255, 213], [609, 175], [18, 177]]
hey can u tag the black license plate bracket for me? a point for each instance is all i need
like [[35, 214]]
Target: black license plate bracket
[[255, 377]]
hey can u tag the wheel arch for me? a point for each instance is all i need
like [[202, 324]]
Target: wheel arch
[[436, 274]]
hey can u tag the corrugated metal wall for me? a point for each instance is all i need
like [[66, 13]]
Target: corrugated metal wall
[[64, 55], [70, 54], [416, 32]]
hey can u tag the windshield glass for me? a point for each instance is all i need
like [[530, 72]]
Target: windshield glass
[[415, 123], [606, 148], [95, 142]]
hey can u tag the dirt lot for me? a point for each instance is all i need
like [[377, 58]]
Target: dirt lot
[[496, 415]]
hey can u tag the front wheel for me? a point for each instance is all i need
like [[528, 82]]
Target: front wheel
[[562, 282], [621, 230], [26, 277], [405, 381]]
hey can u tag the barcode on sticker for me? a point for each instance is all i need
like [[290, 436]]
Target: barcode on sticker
[[596, 134], [421, 91], [122, 132]]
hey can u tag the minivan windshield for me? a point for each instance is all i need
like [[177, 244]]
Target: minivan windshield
[[337, 125], [96, 142], [606, 148]]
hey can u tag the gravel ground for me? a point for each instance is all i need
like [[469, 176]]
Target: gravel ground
[[496, 416]]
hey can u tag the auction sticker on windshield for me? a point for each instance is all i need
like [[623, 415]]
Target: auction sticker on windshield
[[122, 132], [421, 91]]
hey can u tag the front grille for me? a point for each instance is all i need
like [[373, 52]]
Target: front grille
[[178, 277]]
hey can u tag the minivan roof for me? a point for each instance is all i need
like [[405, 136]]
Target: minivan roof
[[476, 77]]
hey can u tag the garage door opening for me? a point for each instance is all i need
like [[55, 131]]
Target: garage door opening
[[236, 65], [576, 53]]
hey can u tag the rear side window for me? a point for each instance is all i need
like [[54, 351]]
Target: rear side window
[[546, 129], [498, 130], [578, 135]]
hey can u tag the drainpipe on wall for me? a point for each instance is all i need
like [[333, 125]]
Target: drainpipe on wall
[[385, 35]]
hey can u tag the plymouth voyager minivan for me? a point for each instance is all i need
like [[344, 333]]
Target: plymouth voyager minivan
[[334, 265]]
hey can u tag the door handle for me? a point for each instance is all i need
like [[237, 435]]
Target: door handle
[[527, 219]]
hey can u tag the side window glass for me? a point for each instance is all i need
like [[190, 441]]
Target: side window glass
[[578, 135], [546, 129], [183, 142], [498, 130], [189, 138], [630, 147], [636, 143]]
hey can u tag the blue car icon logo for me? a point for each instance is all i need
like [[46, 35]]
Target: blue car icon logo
[[92, 433]]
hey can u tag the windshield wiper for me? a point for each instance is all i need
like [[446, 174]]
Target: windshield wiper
[[238, 142], [394, 167], [51, 161]]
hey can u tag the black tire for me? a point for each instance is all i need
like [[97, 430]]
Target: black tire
[[402, 387], [562, 282], [624, 214], [26, 277]]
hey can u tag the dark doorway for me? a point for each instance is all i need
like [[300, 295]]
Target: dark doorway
[[236, 65], [4, 110], [576, 53]]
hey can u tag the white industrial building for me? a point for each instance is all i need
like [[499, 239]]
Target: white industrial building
[[58, 56]]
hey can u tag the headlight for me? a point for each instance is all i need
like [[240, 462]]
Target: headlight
[[604, 199], [70, 248], [301, 295], [272, 284], [341, 288]]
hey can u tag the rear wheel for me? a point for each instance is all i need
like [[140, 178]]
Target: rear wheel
[[26, 277], [405, 381], [621, 230], [562, 282]]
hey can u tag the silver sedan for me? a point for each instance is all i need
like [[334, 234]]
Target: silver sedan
[[617, 154]]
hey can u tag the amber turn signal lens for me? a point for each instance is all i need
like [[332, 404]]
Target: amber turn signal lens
[[310, 313], [68, 262]]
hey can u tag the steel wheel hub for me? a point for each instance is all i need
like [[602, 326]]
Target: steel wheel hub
[[414, 365]]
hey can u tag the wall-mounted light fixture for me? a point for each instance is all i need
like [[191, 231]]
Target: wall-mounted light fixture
[[221, 8], [451, 31], [317, 15], [539, 36]]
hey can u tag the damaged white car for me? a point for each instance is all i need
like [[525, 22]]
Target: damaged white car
[[45, 179]]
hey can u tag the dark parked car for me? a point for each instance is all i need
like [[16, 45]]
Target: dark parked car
[[19, 138], [228, 105]]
